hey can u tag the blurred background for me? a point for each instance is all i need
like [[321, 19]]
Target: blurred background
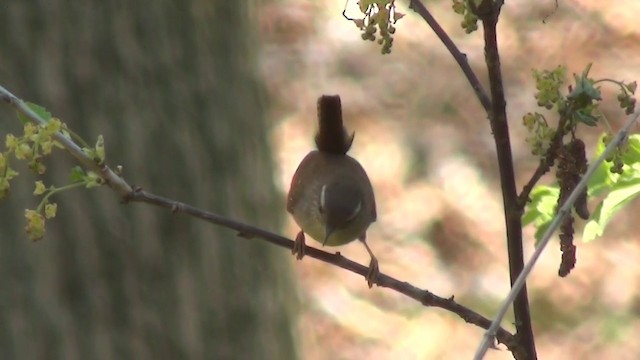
[[213, 103], [426, 144], [175, 89]]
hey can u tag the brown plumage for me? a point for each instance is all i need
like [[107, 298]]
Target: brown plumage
[[331, 197]]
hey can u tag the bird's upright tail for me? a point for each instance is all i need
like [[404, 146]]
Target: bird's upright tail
[[332, 137]]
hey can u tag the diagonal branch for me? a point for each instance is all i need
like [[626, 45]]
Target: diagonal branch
[[425, 297], [136, 194], [461, 59]]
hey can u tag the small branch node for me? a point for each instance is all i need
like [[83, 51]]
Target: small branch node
[[135, 191], [177, 207]]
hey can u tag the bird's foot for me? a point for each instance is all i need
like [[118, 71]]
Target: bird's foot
[[372, 274], [299, 246]]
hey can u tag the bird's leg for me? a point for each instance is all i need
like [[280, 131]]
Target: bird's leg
[[374, 270], [299, 246]]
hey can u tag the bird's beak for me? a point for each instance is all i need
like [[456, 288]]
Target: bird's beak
[[328, 230]]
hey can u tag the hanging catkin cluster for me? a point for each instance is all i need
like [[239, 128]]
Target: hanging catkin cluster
[[572, 164]]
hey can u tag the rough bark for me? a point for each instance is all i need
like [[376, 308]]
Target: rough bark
[[172, 86]]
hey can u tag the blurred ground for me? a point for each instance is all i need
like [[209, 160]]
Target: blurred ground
[[426, 144]]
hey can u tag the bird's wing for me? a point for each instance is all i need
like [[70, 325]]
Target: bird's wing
[[296, 188]]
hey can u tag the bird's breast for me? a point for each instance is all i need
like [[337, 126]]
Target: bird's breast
[[316, 170]]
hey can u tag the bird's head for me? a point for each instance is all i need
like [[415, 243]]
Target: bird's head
[[340, 204]]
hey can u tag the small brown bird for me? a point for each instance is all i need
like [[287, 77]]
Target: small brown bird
[[331, 197]]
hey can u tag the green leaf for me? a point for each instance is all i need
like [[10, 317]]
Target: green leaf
[[77, 174], [92, 180], [592, 228], [540, 230], [542, 192], [41, 111], [542, 206], [100, 149], [601, 145], [584, 91], [364, 5], [585, 118], [620, 195], [601, 180], [632, 153], [530, 216], [631, 160]]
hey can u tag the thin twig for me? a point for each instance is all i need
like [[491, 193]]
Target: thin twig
[[547, 161], [136, 194], [116, 182], [562, 213], [461, 59]]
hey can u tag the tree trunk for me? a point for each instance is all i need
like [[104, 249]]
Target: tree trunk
[[172, 86]]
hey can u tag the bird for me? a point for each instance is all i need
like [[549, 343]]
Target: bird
[[331, 197]]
